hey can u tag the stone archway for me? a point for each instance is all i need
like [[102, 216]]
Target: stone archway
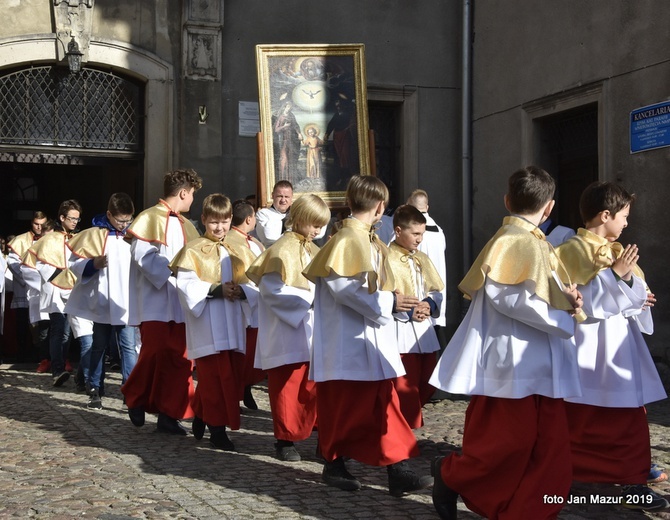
[[156, 74]]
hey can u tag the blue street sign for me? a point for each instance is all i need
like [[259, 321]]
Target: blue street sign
[[650, 127]]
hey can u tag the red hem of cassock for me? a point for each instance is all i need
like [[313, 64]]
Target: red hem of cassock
[[292, 401], [362, 420], [609, 445], [515, 453], [216, 399], [162, 379], [252, 375], [413, 388]]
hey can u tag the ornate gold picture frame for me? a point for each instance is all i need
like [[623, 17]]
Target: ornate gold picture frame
[[314, 118]]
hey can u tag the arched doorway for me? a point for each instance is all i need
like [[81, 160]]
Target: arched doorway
[[67, 136]]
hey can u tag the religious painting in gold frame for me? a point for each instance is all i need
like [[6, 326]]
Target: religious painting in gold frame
[[314, 118]]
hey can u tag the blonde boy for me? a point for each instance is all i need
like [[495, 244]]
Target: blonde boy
[[215, 334], [286, 323]]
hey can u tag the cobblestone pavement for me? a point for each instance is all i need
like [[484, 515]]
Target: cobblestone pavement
[[60, 460]]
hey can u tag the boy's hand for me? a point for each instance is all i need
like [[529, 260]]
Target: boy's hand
[[651, 300], [623, 266], [574, 297], [404, 303], [421, 312], [100, 262], [232, 291]]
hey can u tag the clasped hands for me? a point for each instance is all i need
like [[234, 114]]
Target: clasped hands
[[404, 303], [228, 290]]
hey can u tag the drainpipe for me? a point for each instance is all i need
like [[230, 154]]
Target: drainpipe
[[466, 133]]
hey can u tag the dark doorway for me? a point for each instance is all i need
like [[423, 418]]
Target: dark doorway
[[568, 150], [29, 186], [384, 120]]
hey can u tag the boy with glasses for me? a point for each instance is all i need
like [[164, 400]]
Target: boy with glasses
[[101, 260]]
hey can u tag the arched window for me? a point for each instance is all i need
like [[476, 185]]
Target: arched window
[[47, 106]]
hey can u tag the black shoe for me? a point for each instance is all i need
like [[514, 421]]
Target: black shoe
[[94, 401], [198, 427], [444, 498], [402, 479], [335, 474], [136, 416], [61, 378], [219, 439], [642, 498], [248, 399], [286, 451], [169, 425]]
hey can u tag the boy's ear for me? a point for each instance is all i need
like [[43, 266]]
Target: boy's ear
[[397, 230], [202, 219], [549, 208], [605, 215], [380, 208], [506, 199]]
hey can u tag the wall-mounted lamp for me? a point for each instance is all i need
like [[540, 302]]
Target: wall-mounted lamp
[[73, 56]]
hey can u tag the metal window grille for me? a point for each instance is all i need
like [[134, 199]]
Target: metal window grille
[[47, 106]]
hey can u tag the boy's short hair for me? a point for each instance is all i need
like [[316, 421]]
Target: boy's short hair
[[418, 199], [309, 209], [242, 210], [120, 204], [364, 192], [282, 184], [67, 205], [39, 215], [529, 189], [406, 215], [216, 205], [603, 195], [49, 225], [180, 179]]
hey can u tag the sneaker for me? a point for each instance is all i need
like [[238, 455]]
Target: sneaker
[[335, 474], [642, 498], [286, 451], [44, 366], [656, 475], [94, 401], [61, 378], [402, 479]]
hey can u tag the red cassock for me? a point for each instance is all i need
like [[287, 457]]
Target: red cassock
[[515, 453], [609, 445], [216, 399], [292, 401], [413, 388], [362, 420], [162, 380]]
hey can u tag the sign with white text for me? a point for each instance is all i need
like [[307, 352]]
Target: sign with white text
[[650, 127]]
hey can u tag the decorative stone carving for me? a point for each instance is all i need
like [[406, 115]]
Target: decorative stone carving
[[203, 21], [73, 18]]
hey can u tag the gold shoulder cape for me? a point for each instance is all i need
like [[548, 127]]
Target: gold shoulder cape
[[151, 225], [236, 242], [285, 257], [203, 256], [90, 243], [519, 252], [404, 274], [586, 254], [347, 253], [50, 250], [21, 243]]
